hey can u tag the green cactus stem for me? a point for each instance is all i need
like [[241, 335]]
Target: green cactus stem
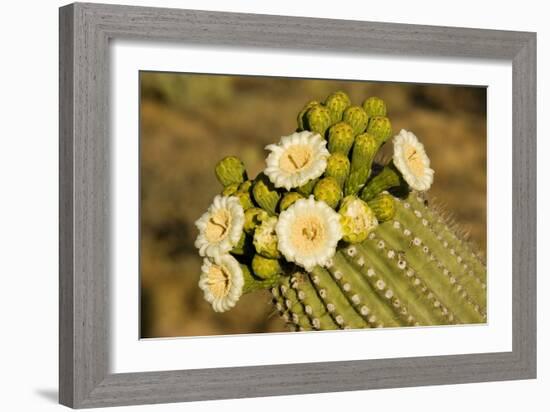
[[380, 127], [388, 178], [328, 190], [253, 283], [265, 194], [340, 138], [230, 170], [318, 119], [296, 310], [374, 106], [357, 118], [336, 103], [383, 206], [338, 167], [471, 277], [279, 304], [336, 301], [288, 200], [318, 316], [401, 275], [457, 245], [415, 298]]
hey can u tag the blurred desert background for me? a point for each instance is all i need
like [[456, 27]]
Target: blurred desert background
[[189, 122]]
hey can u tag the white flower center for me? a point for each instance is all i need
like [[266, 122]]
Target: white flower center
[[218, 225], [308, 234], [295, 158], [219, 281], [414, 160]]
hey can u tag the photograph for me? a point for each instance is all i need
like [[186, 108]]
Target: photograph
[[272, 204]]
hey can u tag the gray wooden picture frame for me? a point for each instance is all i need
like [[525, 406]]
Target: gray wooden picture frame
[[85, 32]]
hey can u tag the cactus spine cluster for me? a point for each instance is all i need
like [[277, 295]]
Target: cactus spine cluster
[[397, 261]]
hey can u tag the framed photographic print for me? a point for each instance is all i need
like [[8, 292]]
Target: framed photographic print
[[257, 205]]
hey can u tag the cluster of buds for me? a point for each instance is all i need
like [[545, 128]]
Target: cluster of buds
[[318, 190]]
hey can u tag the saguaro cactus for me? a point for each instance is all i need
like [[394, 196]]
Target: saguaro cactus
[[341, 242]]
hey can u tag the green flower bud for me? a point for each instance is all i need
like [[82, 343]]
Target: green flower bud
[[306, 189], [244, 194], [230, 170], [383, 207], [246, 199], [342, 95], [265, 239], [328, 190], [363, 152], [340, 138], [356, 180], [357, 118], [265, 268], [357, 219], [374, 106], [230, 190], [380, 128], [389, 177], [338, 167], [318, 119], [336, 103], [265, 194], [253, 217], [302, 120], [288, 200]]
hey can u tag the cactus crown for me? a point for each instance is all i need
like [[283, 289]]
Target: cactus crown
[[350, 244]]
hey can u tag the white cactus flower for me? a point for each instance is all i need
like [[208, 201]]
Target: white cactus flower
[[222, 282], [308, 232], [411, 160], [221, 227], [297, 159]]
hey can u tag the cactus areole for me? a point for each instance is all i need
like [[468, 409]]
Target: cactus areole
[[339, 240]]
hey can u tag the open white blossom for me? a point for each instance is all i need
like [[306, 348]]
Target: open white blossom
[[222, 282], [221, 227], [297, 159], [411, 160], [308, 232]]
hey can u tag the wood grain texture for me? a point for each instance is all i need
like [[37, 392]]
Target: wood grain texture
[[85, 31]]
